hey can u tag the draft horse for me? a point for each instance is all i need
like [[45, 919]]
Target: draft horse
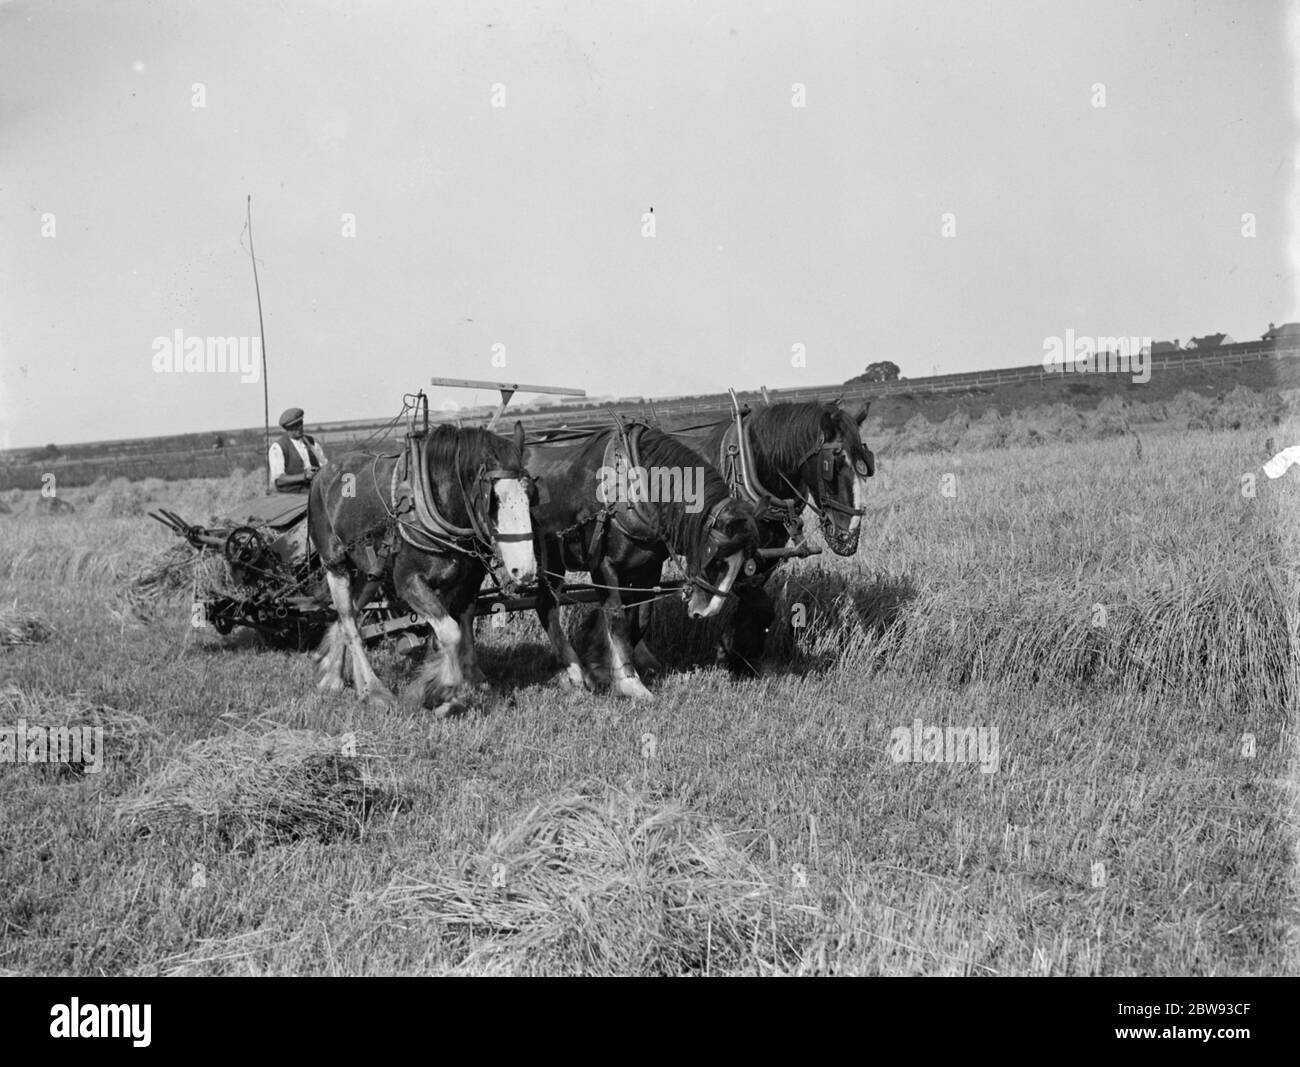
[[424, 526], [782, 458], [617, 503]]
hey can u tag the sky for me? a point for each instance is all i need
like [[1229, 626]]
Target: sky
[[463, 189]]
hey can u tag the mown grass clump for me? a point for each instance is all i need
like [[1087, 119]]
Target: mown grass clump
[[22, 628], [253, 788], [607, 881]]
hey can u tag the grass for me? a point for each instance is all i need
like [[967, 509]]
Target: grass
[[1141, 820]]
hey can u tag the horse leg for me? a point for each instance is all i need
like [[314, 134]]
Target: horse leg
[[743, 646], [333, 655], [330, 659], [346, 641], [468, 652], [639, 619], [441, 677], [571, 676], [625, 679]]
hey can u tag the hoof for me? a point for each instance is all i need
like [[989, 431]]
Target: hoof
[[451, 709], [574, 679], [633, 688], [380, 698], [740, 667], [645, 661], [330, 684]]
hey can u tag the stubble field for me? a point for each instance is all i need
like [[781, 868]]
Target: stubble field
[[1123, 614]]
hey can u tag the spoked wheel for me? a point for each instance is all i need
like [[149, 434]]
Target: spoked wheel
[[244, 547]]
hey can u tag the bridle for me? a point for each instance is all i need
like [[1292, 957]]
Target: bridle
[[430, 530], [715, 542], [479, 505], [821, 495]]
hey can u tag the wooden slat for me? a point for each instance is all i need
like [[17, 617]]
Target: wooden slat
[[513, 387]]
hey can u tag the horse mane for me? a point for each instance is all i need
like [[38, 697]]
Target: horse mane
[[657, 449], [477, 448], [783, 434]]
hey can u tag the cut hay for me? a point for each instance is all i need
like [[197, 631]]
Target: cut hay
[[125, 734], [264, 786], [20, 628], [178, 571], [602, 881]]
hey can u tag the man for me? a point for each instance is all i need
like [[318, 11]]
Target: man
[[295, 457]]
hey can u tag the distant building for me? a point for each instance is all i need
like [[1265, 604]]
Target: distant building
[[1163, 348], [1210, 340], [1288, 331]]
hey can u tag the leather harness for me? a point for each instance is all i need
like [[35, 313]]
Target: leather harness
[[411, 492], [622, 454]]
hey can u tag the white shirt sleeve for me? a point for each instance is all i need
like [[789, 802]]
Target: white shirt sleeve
[[275, 458], [1282, 462], [320, 453]]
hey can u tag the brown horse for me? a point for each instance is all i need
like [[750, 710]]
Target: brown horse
[[805, 454], [617, 506], [424, 526]]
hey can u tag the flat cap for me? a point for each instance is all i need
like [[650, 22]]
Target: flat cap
[[292, 417]]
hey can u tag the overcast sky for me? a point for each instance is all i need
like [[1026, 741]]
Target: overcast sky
[[522, 226]]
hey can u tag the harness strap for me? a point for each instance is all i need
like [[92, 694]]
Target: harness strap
[[416, 534], [622, 452], [426, 506], [737, 464]]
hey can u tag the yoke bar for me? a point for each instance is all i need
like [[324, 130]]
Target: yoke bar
[[506, 389]]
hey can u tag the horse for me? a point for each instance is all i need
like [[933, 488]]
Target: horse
[[794, 454], [424, 525], [617, 502]]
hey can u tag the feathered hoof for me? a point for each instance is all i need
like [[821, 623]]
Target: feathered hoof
[[330, 683], [574, 680], [633, 689], [380, 698], [451, 709], [647, 664]]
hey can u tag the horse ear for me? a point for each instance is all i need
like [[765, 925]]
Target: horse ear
[[519, 437], [830, 430], [857, 410]]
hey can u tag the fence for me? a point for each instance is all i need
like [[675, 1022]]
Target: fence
[[142, 458]]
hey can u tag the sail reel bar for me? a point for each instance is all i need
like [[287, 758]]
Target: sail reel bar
[[506, 389]]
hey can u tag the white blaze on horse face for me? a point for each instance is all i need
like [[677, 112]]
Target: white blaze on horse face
[[703, 606], [513, 518], [859, 500]]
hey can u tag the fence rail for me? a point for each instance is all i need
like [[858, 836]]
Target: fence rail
[[133, 459]]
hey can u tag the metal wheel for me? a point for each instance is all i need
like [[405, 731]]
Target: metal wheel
[[244, 547]]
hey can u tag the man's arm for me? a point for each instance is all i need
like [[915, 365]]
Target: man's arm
[[281, 480]]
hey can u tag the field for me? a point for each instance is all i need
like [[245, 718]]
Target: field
[[1125, 614]]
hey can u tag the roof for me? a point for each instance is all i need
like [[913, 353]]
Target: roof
[[1287, 329]]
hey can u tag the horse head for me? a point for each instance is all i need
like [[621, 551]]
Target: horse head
[[721, 547], [835, 475], [494, 492]]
